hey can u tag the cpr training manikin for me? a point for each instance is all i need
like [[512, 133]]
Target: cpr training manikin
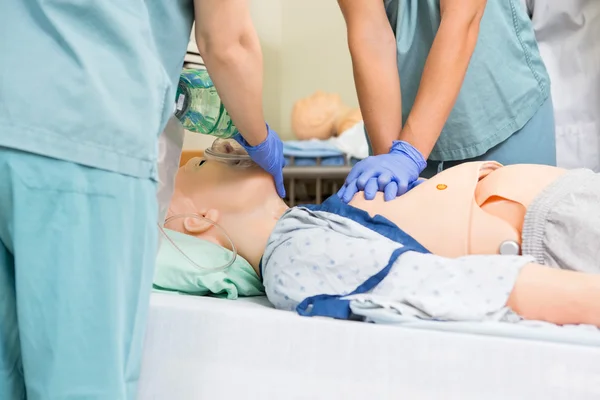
[[322, 115], [478, 242]]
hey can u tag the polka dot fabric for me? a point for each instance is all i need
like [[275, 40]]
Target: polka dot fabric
[[312, 253]]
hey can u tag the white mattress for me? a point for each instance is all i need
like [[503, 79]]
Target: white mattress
[[205, 348]]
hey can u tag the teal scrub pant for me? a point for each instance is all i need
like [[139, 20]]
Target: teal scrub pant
[[535, 143], [77, 253]]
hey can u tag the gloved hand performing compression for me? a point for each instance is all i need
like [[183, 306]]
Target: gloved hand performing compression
[[393, 174], [268, 155]]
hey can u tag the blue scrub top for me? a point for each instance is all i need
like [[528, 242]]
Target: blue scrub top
[[91, 82], [505, 85]]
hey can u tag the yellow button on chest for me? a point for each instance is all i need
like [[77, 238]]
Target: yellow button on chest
[[441, 186]]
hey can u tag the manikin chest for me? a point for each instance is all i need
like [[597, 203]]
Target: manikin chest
[[472, 208]]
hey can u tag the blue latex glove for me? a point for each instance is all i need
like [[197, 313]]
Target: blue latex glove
[[268, 155], [393, 174]]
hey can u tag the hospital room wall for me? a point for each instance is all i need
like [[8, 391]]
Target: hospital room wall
[[304, 49]]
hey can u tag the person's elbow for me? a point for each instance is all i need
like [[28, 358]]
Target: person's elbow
[[465, 19], [378, 40], [226, 47]]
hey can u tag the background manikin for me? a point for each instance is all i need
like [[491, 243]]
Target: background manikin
[[322, 115]]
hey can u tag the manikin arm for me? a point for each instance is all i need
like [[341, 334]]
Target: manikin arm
[[229, 46], [558, 296]]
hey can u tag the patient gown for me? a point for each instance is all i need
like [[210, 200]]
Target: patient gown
[[328, 259]]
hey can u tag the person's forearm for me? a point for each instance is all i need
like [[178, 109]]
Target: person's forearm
[[558, 296], [441, 81], [234, 62], [377, 86]]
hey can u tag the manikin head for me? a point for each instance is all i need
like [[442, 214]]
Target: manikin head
[[236, 194], [321, 116]]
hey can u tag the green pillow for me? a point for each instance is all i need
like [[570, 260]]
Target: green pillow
[[175, 273]]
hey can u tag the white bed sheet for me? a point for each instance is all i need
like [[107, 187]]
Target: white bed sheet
[[206, 348]]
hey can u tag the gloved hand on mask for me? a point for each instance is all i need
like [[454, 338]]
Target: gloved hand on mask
[[393, 174], [268, 155]]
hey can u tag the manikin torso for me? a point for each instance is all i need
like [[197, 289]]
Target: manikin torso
[[468, 209]]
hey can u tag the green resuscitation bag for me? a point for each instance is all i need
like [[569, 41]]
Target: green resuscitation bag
[[199, 107]]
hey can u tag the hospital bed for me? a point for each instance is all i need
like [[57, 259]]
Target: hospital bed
[[207, 348], [312, 184]]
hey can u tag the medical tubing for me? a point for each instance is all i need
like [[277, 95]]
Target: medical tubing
[[203, 270]]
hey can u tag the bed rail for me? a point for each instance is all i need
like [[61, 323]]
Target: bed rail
[[312, 184]]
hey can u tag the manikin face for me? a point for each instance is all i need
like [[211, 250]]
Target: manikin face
[[211, 183], [315, 116], [224, 194]]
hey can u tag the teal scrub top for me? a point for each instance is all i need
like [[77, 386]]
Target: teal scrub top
[[91, 82], [506, 82]]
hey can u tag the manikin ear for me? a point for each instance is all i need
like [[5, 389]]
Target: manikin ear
[[198, 225]]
